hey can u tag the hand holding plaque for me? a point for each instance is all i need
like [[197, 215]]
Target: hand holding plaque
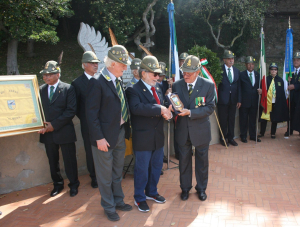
[[175, 102]]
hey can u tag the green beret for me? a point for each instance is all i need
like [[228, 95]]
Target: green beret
[[163, 68], [183, 56], [151, 64], [191, 64], [250, 59], [297, 55], [51, 67], [228, 54], [119, 54], [89, 56], [135, 63]]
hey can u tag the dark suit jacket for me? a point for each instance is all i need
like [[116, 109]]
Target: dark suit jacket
[[180, 74], [225, 88], [103, 110], [147, 122], [295, 94], [249, 92], [80, 85], [164, 86], [197, 127], [60, 113]]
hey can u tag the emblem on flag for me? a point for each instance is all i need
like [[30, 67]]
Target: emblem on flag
[[11, 104]]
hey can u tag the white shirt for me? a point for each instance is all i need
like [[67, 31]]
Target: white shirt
[[297, 71], [54, 85], [87, 75], [113, 78], [253, 77], [188, 87], [231, 70]]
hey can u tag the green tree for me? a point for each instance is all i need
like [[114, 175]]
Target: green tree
[[21, 20], [231, 17]]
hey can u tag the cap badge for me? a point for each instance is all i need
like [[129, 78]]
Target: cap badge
[[250, 58], [149, 64], [189, 63], [47, 65], [114, 52]]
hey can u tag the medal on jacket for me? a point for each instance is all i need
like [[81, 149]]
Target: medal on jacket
[[199, 101]]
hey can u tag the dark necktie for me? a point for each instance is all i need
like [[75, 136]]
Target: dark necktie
[[251, 79], [155, 95], [122, 99], [190, 89], [229, 75], [51, 93]]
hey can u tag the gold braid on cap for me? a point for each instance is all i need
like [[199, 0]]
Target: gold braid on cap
[[146, 50]]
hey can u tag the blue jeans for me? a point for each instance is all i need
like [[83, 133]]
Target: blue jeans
[[147, 169]]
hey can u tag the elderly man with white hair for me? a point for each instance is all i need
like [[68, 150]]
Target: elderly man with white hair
[[109, 125], [90, 66]]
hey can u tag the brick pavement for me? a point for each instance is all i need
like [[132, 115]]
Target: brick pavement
[[249, 185]]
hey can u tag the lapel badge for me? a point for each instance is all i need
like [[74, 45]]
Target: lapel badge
[[279, 84], [144, 89], [59, 92], [157, 88], [107, 77]]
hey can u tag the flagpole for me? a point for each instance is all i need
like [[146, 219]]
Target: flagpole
[[169, 122], [289, 93]]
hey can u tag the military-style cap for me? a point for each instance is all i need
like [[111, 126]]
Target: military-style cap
[[163, 68], [297, 55], [119, 54], [191, 64], [89, 56], [273, 65], [250, 59], [151, 64], [183, 56], [51, 67], [135, 63], [228, 54]]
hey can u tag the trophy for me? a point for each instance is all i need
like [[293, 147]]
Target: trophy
[[176, 103]]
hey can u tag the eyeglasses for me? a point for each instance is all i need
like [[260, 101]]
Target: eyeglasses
[[49, 75], [154, 74]]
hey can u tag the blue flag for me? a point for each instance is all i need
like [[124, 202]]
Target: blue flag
[[173, 44], [288, 61]]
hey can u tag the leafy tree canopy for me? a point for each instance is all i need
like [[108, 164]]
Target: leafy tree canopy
[[32, 19]]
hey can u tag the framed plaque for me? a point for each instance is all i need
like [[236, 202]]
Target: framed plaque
[[20, 105], [176, 102]]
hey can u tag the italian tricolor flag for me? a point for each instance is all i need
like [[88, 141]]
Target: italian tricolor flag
[[206, 74]]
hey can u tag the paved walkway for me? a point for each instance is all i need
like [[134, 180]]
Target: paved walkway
[[249, 185]]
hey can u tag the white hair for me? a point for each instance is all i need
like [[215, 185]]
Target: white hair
[[82, 65], [108, 61]]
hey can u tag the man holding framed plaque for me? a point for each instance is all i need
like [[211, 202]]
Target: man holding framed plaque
[[193, 126], [59, 105]]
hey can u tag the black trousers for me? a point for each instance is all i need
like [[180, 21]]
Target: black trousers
[[227, 119], [263, 126], [88, 151], [70, 162], [185, 166], [248, 120]]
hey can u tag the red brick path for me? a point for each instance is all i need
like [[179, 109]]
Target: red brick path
[[249, 185]]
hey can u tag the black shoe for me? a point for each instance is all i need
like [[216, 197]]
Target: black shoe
[[260, 135], [273, 136], [223, 143], [184, 195], [94, 183], [73, 192], [202, 196], [244, 140], [165, 160], [124, 207], [56, 190], [112, 216], [142, 206], [258, 140], [232, 142], [157, 198], [161, 172], [287, 133], [177, 156]]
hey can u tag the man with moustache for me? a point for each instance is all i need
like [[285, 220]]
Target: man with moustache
[[249, 105], [229, 93], [294, 89], [193, 126], [90, 65], [145, 100], [59, 106], [109, 125]]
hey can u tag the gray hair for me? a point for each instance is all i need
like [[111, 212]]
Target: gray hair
[[140, 72], [108, 61]]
